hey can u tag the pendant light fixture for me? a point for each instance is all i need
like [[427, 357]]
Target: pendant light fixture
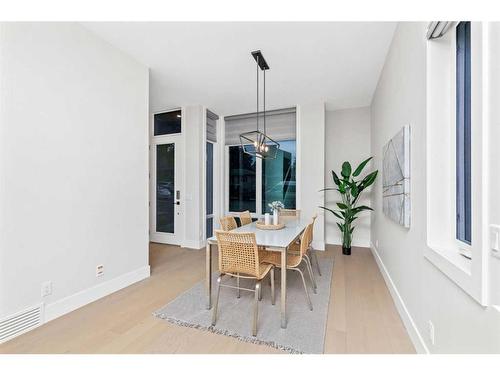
[[257, 143]]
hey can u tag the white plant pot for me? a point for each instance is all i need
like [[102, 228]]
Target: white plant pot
[[276, 217], [267, 219]]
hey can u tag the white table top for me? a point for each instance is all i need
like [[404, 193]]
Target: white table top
[[280, 238]]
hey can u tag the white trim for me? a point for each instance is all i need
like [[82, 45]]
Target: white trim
[[84, 297], [411, 327], [195, 245], [298, 163], [363, 242]]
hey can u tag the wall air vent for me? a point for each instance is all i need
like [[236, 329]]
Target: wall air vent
[[20, 323]]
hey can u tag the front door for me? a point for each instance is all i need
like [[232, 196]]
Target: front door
[[166, 191]]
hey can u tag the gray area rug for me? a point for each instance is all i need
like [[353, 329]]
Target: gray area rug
[[305, 332]]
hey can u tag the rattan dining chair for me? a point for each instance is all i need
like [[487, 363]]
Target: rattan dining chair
[[245, 218], [311, 250], [228, 223], [239, 257], [289, 212], [293, 261]]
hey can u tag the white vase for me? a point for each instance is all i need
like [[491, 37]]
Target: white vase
[[267, 219], [276, 217]]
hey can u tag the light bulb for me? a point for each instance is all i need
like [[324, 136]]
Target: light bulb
[[267, 149], [255, 144]]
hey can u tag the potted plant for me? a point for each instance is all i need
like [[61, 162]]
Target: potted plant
[[275, 207], [350, 190]]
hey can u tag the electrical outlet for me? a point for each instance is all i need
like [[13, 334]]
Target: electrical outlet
[[99, 271], [431, 333], [46, 288]]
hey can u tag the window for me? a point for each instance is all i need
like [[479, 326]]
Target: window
[[242, 180], [463, 133], [167, 122], [276, 178], [209, 180], [455, 143]]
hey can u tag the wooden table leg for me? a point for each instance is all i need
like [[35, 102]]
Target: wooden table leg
[[283, 287], [208, 280]]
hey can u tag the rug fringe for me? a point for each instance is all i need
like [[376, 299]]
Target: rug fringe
[[253, 340]]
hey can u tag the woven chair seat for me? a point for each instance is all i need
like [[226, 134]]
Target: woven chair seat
[[264, 269], [274, 258]]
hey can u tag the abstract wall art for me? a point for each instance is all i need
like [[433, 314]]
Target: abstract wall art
[[396, 178]]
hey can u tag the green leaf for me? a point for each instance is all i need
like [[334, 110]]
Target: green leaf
[[335, 178], [360, 208], [368, 180], [336, 214], [352, 229], [341, 227], [342, 187], [346, 169], [341, 206], [360, 167], [354, 189], [332, 211]]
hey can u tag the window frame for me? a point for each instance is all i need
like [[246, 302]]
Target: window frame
[[463, 133], [443, 250], [258, 182]]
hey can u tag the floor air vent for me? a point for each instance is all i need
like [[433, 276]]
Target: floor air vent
[[19, 323]]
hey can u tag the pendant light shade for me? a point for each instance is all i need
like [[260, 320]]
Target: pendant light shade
[[257, 143]]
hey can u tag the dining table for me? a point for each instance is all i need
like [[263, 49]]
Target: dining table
[[273, 240]]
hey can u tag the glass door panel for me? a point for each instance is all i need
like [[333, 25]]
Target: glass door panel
[[165, 188]]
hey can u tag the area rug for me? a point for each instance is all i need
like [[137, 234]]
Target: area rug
[[305, 332]]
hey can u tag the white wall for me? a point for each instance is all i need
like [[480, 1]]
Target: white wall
[[194, 164], [73, 167], [347, 138], [422, 292], [311, 165]]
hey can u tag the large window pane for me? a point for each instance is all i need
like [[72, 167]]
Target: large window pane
[[167, 123], [210, 179], [241, 180], [463, 135], [278, 177], [165, 185]]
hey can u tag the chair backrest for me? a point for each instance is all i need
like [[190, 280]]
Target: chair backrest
[[238, 253], [289, 212], [245, 217], [315, 216], [306, 239], [228, 223]]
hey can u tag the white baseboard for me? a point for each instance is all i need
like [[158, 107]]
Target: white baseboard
[[77, 300], [356, 242], [411, 327], [318, 245], [196, 245]]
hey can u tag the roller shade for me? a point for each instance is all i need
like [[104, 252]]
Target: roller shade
[[212, 126], [280, 125]]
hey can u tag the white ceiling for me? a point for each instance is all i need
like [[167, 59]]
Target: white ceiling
[[210, 63]]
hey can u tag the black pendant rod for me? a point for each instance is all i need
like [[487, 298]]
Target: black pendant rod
[[265, 102], [257, 59]]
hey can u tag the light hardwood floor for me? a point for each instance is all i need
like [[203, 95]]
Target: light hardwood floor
[[362, 317]]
